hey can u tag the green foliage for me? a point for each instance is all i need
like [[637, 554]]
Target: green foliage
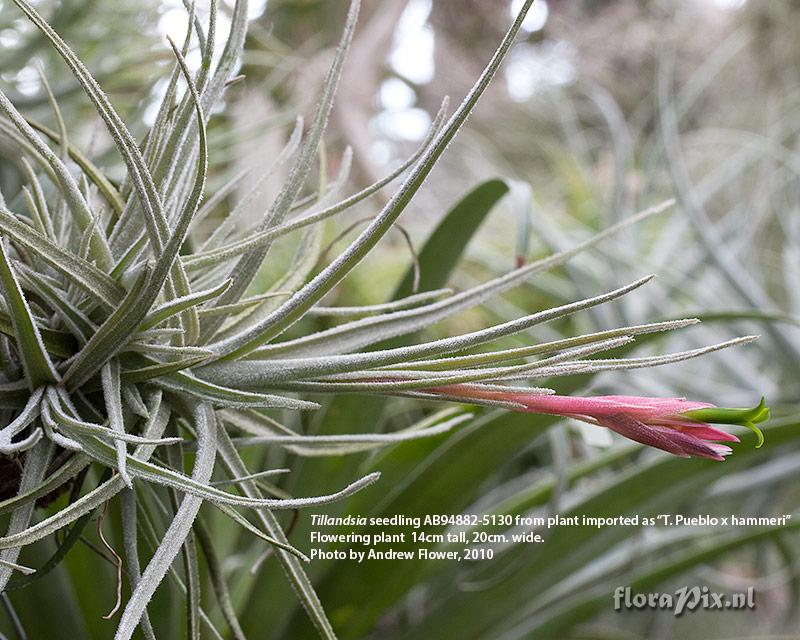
[[116, 332], [444, 247]]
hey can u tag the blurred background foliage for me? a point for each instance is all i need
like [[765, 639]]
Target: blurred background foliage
[[604, 107]]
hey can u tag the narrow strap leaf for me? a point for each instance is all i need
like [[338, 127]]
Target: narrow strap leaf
[[57, 343], [36, 462], [74, 319], [38, 367], [217, 576], [154, 428], [79, 426], [157, 474], [263, 238], [94, 282], [28, 414], [220, 395], [110, 337], [142, 374], [169, 309], [254, 372], [290, 564], [180, 527], [140, 302], [157, 224], [128, 510], [353, 335], [248, 265], [294, 308], [112, 394], [98, 178], [77, 203], [122, 138], [63, 474]]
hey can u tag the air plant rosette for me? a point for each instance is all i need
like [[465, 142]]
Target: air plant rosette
[[123, 345]]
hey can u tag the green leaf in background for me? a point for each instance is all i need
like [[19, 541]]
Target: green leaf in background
[[663, 486], [444, 247]]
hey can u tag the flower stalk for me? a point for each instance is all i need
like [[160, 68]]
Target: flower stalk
[[675, 425]]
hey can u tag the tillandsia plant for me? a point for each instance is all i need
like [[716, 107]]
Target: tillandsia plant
[[130, 340]]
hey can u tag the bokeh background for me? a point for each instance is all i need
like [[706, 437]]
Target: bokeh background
[[603, 108]]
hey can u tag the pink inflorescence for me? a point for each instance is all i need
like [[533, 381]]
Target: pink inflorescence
[[675, 425]]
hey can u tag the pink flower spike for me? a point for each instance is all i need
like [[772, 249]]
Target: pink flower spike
[[680, 443], [662, 423], [705, 432]]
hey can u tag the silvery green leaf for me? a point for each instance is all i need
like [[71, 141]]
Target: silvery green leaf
[[178, 305], [56, 479], [115, 435], [493, 357], [123, 139], [345, 444], [36, 362], [310, 294], [160, 369], [249, 264], [399, 380], [220, 395], [111, 336], [218, 578], [36, 462], [416, 300], [77, 203], [161, 475], [28, 414], [590, 366], [260, 372], [245, 524], [89, 169], [77, 322], [179, 529], [294, 570], [128, 509], [229, 223], [237, 248], [360, 333], [84, 274], [153, 429]]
